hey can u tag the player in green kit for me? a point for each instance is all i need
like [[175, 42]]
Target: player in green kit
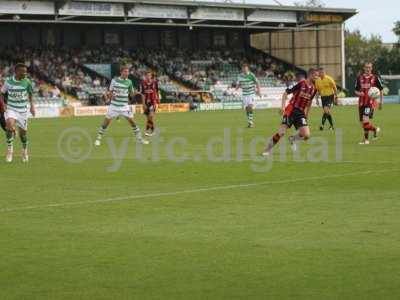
[[250, 89], [121, 88], [19, 93]]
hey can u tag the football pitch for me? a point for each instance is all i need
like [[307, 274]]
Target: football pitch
[[198, 215]]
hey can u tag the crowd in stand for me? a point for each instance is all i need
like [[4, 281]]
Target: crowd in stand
[[40, 87], [198, 70], [61, 68]]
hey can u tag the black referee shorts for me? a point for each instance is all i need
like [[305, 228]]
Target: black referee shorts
[[327, 101]]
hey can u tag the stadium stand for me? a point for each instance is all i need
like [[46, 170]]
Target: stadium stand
[[178, 70], [45, 95]]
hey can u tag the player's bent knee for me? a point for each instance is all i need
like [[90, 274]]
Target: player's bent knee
[[9, 126], [305, 134], [22, 132], [282, 132]]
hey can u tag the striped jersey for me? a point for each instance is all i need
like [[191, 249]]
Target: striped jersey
[[363, 84], [149, 89], [18, 93], [121, 89], [303, 94], [248, 83]]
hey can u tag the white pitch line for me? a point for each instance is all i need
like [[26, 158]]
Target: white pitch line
[[191, 191], [233, 160]]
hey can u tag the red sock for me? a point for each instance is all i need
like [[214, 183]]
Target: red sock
[[366, 134], [150, 125], [273, 141], [367, 128], [372, 127]]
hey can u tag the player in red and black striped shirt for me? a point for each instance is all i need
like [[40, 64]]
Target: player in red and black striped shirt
[[366, 104], [296, 112], [150, 98]]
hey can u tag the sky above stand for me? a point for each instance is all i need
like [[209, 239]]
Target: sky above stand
[[374, 17]]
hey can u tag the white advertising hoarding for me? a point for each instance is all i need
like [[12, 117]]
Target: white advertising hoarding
[[47, 112], [159, 11], [211, 13], [27, 7], [92, 9], [273, 16]]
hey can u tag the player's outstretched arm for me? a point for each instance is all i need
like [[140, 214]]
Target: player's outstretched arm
[[258, 89], [32, 109], [30, 98], [335, 90]]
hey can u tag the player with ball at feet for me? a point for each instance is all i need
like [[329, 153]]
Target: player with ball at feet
[[120, 90], [296, 112], [369, 90]]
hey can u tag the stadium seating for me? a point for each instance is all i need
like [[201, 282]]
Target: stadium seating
[[208, 70]]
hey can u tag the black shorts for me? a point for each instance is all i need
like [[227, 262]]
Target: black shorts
[[327, 101], [296, 118], [365, 111], [149, 108]]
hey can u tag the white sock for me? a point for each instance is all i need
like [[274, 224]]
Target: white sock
[[297, 137]]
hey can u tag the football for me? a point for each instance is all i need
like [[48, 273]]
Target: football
[[374, 93]]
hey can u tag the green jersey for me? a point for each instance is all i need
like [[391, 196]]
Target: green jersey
[[19, 92], [121, 89], [248, 83]]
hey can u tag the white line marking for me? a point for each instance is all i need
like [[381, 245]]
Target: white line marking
[[192, 191], [233, 160]]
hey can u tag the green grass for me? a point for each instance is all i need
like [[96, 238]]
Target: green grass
[[202, 229]]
